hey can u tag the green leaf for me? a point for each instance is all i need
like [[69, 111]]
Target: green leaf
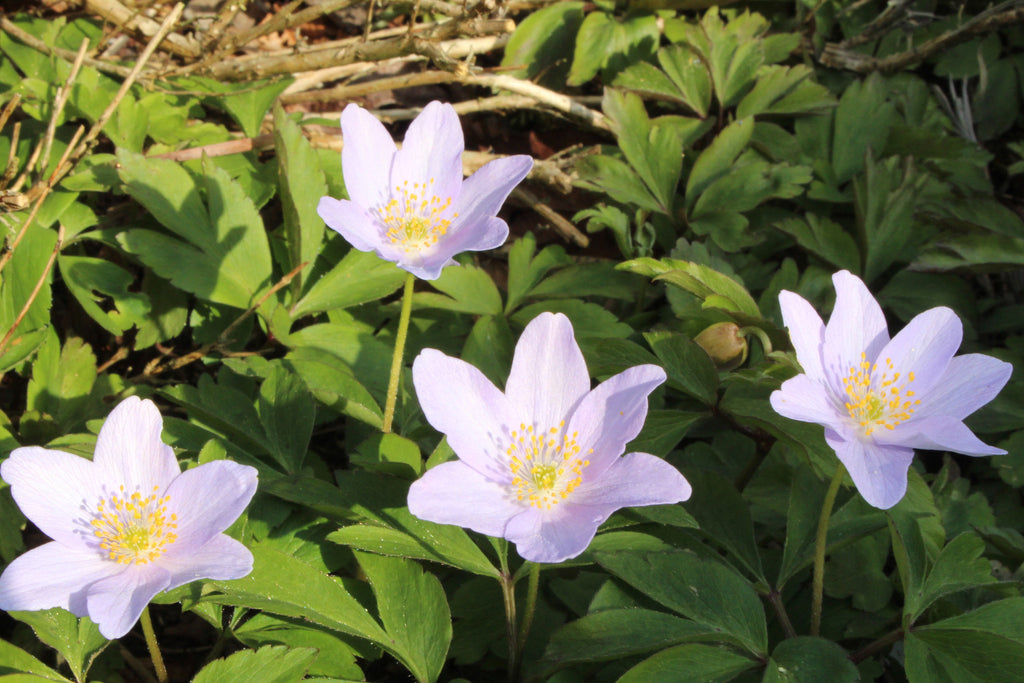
[[358, 278], [14, 660], [688, 366], [62, 382], [93, 281], [785, 90], [886, 198], [608, 44], [863, 120], [689, 662], [302, 184], [615, 178], [282, 584], [270, 664], [414, 611], [663, 430], [809, 660], [689, 73], [226, 258], [336, 658], [489, 347], [389, 454], [287, 412], [542, 41], [825, 238], [333, 384], [703, 590], [525, 270], [959, 566], [616, 634], [718, 159], [21, 275], [719, 291], [724, 518], [78, 640], [983, 646], [652, 149], [469, 289]]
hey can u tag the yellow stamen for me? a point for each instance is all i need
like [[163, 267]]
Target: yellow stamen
[[415, 219], [878, 401], [134, 529], [546, 464]]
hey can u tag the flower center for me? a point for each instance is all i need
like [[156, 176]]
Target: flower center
[[546, 465], [878, 401], [134, 529], [415, 217]]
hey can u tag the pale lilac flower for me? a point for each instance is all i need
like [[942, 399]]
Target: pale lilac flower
[[539, 464], [879, 398], [125, 526], [411, 205]]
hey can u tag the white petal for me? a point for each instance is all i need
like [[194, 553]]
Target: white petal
[[366, 158], [130, 451], [116, 602], [58, 491], [452, 493], [222, 558], [878, 471], [806, 331], [857, 326], [548, 376], [53, 575], [461, 403]]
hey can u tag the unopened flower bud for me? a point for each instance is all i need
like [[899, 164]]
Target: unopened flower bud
[[724, 343]]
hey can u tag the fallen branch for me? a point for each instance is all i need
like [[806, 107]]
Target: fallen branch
[[837, 56], [22, 36], [142, 26]]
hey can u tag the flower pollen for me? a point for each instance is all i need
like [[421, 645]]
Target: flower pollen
[[415, 217], [878, 401], [134, 529], [546, 465]]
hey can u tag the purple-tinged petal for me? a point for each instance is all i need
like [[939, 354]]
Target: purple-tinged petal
[[428, 268], [431, 153], [857, 326], [58, 491], [634, 480], [53, 575], [116, 602], [922, 350], [806, 331], [453, 493], [554, 535], [878, 471], [222, 558], [366, 158], [461, 403], [969, 382], [489, 233], [612, 415], [804, 399], [206, 500], [352, 222], [548, 376], [940, 433], [129, 450], [485, 191]]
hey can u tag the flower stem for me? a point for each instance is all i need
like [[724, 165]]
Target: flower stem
[[154, 649], [533, 582], [508, 592], [819, 549], [396, 360]]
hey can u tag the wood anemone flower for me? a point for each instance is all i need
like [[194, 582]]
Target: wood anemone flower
[[411, 206], [881, 398], [540, 463], [126, 525]]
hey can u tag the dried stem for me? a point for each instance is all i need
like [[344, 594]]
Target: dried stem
[[423, 43], [27, 38], [59, 101], [555, 100], [86, 144], [560, 225], [838, 57], [143, 27]]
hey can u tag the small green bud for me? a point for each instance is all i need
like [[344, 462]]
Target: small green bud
[[725, 344]]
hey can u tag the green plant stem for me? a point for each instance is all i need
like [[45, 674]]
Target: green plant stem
[[396, 360], [533, 583], [775, 598], [508, 592], [819, 549], [154, 649], [877, 645]]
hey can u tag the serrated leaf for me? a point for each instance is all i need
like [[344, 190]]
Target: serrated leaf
[[717, 160], [691, 661], [270, 664], [542, 41], [785, 90], [14, 660], [302, 184], [414, 611], [287, 412], [703, 590], [824, 237], [687, 365], [809, 660], [469, 290], [78, 640]]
